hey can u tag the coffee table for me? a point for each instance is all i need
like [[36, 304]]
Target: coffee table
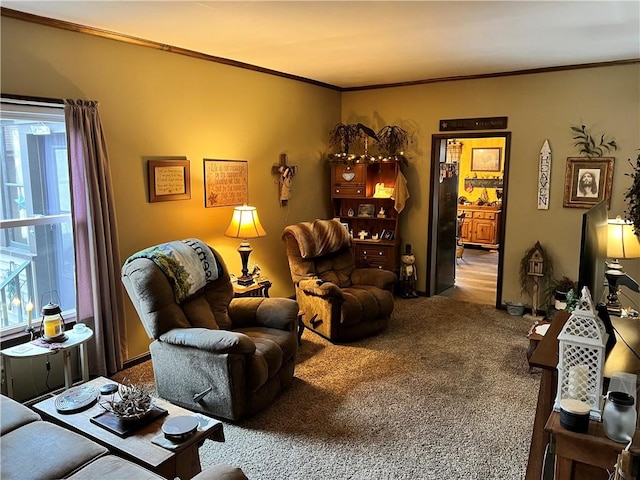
[[180, 460]]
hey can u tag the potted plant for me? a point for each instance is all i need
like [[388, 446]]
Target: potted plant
[[632, 196], [560, 289], [589, 146]]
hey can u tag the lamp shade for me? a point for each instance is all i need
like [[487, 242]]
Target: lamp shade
[[245, 223], [621, 241]]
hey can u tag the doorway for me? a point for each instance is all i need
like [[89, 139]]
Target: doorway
[[467, 215]]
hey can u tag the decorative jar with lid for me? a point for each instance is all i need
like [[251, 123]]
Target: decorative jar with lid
[[619, 417]]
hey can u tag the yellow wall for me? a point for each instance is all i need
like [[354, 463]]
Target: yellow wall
[[468, 144], [538, 106], [155, 103]]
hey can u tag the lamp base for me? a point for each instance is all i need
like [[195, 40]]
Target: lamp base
[[245, 250], [245, 280]]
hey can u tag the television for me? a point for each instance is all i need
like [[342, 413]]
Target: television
[[593, 251]]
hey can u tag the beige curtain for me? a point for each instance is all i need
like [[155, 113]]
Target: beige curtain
[[99, 294]]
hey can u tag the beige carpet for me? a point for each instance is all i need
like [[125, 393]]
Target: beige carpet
[[444, 393]]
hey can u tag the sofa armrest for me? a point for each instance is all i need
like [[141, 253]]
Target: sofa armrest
[[318, 288], [383, 279], [14, 415], [221, 472], [214, 341], [279, 313]]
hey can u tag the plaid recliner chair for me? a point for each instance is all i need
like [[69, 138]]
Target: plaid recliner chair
[[224, 356], [338, 300]]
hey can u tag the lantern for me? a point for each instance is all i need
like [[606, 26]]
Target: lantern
[[582, 353], [52, 323]]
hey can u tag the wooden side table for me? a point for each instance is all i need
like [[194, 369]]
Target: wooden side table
[[256, 289], [591, 448], [535, 335], [545, 356]]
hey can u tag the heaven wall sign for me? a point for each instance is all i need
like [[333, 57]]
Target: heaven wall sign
[[544, 176]]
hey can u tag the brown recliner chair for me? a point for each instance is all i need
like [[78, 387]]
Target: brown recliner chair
[[338, 300], [223, 356]]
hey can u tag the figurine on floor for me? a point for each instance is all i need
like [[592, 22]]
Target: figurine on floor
[[408, 274]]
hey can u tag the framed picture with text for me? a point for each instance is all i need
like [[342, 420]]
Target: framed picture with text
[[226, 183], [169, 179]]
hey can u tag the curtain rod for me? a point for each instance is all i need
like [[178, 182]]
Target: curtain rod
[[30, 99]]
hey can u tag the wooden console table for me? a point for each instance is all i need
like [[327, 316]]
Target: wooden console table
[[591, 448], [620, 359]]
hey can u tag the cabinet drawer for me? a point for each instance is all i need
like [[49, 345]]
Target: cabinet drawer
[[348, 174], [378, 265], [485, 215], [371, 253], [350, 191]]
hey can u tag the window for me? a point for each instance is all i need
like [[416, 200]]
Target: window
[[37, 262]]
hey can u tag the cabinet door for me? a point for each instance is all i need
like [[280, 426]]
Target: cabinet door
[[345, 175], [484, 231], [465, 233]]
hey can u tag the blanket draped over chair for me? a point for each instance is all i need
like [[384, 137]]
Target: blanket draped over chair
[[188, 264]]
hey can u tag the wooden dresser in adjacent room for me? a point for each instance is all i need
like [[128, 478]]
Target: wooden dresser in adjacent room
[[480, 225]]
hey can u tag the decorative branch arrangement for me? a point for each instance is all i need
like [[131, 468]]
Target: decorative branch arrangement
[[587, 144], [390, 143], [393, 140], [135, 402]]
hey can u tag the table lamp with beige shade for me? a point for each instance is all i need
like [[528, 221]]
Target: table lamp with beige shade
[[245, 224], [622, 243]]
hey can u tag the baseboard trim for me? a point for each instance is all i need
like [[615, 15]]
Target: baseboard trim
[[132, 362]]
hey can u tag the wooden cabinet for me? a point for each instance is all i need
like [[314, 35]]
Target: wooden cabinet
[[480, 225], [360, 194]]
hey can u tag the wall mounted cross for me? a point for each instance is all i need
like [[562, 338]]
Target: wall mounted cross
[[285, 174]]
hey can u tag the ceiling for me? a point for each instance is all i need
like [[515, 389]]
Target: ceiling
[[363, 43]]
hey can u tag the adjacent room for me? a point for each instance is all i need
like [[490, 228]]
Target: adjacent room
[[309, 240]]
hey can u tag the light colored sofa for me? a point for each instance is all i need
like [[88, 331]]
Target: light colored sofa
[[34, 449]]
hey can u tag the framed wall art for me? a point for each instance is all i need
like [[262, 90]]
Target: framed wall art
[[226, 182], [366, 210], [587, 181], [387, 235], [169, 179], [486, 159]]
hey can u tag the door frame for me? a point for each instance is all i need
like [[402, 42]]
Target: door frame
[[438, 150]]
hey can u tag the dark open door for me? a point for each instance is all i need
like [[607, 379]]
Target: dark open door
[[447, 227], [443, 215]]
